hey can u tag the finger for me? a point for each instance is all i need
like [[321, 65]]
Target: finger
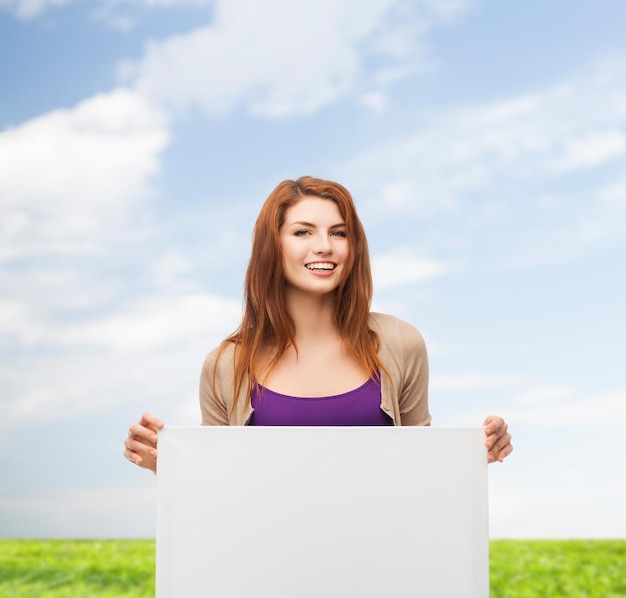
[[505, 452], [141, 432], [500, 443], [492, 441], [138, 447], [149, 420], [133, 457], [493, 423], [495, 435], [500, 450]]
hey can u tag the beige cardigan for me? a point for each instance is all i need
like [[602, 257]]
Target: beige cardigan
[[404, 392]]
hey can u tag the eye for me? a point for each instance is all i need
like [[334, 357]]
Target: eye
[[341, 234], [301, 233]]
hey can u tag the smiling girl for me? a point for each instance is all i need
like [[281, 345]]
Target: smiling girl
[[308, 350]]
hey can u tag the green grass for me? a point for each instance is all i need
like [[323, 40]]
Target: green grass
[[125, 568], [76, 568], [551, 568]]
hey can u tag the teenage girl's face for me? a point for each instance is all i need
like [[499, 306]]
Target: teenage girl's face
[[314, 244]]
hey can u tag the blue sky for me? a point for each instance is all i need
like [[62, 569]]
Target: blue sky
[[484, 143]]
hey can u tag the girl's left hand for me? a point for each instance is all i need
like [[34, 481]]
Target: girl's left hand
[[498, 441]]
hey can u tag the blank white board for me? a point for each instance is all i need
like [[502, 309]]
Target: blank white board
[[311, 512]]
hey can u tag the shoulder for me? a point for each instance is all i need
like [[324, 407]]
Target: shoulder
[[393, 331], [220, 360]]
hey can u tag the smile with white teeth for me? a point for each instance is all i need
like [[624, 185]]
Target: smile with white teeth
[[321, 266]]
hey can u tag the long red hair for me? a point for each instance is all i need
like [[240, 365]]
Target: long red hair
[[266, 320]]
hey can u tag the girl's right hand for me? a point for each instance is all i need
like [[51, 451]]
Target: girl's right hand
[[141, 443]]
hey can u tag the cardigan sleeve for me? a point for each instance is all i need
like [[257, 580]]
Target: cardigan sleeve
[[413, 393], [212, 403]]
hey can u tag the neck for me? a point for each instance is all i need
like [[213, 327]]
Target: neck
[[312, 315]]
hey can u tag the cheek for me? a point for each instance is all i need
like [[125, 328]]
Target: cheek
[[348, 260], [346, 253], [290, 253]]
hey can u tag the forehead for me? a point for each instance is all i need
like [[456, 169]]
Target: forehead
[[315, 210]]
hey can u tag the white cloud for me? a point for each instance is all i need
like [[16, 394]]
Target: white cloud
[[282, 58], [146, 354], [528, 508], [70, 384], [83, 512], [397, 194], [474, 381], [71, 175], [400, 267], [27, 9], [40, 300], [476, 148], [375, 101], [603, 408], [147, 325], [547, 394], [125, 14], [603, 222], [527, 179], [152, 324], [447, 10], [74, 500], [590, 149], [15, 323], [523, 402], [564, 128], [277, 58], [161, 3], [613, 194], [170, 269]]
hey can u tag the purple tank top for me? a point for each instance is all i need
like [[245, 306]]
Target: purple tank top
[[358, 407]]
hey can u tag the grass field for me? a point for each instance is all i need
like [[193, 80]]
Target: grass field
[[125, 568], [550, 568]]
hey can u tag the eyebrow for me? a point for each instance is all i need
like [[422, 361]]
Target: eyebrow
[[310, 225]]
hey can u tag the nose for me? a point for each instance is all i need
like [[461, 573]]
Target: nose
[[323, 245]]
